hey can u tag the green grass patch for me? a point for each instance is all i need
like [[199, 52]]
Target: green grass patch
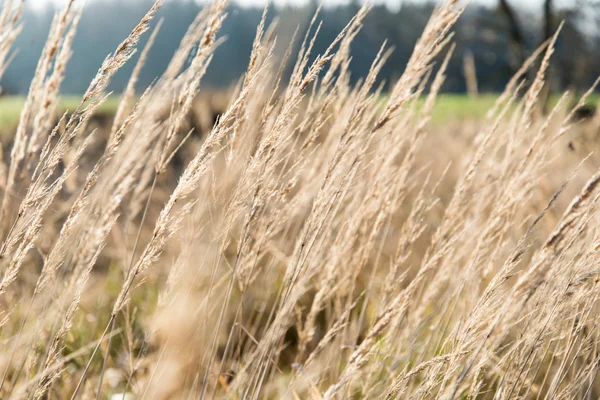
[[449, 107], [460, 107], [11, 106]]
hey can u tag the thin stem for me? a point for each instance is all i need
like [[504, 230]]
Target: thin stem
[[129, 267], [89, 363], [112, 328], [16, 342]]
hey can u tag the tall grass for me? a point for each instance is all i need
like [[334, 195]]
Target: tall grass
[[311, 243]]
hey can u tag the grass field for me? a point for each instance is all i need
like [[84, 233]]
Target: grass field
[[314, 241], [448, 108], [11, 106]]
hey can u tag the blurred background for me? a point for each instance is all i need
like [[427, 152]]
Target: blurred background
[[493, 38]]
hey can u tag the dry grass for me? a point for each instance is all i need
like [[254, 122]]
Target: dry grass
[[311, 243]]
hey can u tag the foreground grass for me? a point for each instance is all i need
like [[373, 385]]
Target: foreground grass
[[314, 242]]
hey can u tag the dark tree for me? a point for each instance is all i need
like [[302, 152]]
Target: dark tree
[[515, 32]]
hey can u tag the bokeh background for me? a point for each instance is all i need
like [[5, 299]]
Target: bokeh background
[[495, 36]]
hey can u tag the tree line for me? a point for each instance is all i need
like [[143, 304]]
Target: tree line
[[486, 34]]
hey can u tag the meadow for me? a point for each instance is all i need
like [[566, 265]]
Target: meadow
[[301, 237], [447, 108]]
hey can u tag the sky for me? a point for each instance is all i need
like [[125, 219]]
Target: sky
[[529, 4]]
